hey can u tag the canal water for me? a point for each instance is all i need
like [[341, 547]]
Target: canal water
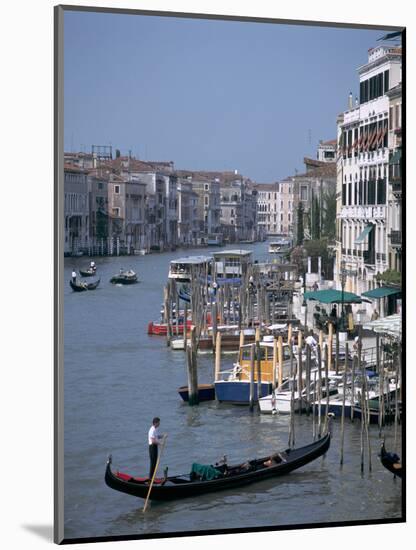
[[117, 378]]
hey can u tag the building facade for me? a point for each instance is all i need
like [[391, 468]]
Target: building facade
[[395, 179], [363, 174], [76, 211]]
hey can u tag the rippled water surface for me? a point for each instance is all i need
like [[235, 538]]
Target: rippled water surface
[[117, 378]]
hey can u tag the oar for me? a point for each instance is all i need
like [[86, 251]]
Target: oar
[[155, 472]]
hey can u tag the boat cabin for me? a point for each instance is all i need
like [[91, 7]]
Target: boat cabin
[[183, 269], [229, 263], [266, 361]]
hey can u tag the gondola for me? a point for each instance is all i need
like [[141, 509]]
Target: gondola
[[87, 272], [391, 461], [227, 477], [80, 286], [124, 278]]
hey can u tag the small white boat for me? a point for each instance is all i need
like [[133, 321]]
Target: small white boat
[[177, 343], [280, 400]]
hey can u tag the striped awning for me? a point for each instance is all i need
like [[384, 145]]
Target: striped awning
[[364, 234]]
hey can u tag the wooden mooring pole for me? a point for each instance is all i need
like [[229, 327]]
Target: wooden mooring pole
[[192, 369], [252, 366], [343, 404]]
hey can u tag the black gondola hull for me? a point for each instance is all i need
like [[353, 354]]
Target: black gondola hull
[[171, 490], [87, 272], [391, 462], [77, 287], [116, 280]]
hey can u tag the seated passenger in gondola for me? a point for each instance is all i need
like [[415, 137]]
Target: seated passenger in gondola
[[93, 267], [274, 460]]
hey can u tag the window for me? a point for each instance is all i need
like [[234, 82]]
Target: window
[[391, 122], [371, 192], [381, 191], [117, 189], [397, 117], [303, 193], [344, 194], [386, 81], [116, 212], [100, 185]]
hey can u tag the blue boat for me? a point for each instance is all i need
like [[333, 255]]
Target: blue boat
[[206, 392], [238, 391]]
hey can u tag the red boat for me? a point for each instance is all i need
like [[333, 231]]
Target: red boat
[[161, 329]]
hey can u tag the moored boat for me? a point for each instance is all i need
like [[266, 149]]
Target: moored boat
[[280, 401], [206, 392], [221, 476], [80, 286], [234, 386], [161, 329]]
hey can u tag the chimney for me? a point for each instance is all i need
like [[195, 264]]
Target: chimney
[[350, 101]]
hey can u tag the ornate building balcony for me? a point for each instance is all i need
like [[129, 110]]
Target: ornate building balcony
[[363, 212], [396, 186], [396, 238]]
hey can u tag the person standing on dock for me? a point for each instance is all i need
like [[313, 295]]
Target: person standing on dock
[[154, 440]]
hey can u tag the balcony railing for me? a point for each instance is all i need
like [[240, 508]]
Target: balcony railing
[[396, 184], [369, 257], [396, 238]]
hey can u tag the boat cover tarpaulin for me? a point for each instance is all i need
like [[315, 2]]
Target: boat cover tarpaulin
[[392, 325], [205, 472]]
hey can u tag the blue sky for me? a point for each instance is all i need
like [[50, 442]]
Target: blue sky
[[208, 94]]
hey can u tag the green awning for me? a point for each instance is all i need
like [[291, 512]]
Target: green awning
[[381, 292], [395, 159], [332, 297], [363, 235]]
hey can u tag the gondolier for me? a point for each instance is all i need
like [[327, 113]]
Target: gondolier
[[74, 276], [154, 440]]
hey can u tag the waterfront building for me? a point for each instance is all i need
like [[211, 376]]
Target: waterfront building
[[268, 208], [161, 230], [287, 207], [187, 213], [98, 181], [363, 174], [395, 179], [76, 211], [238, 209], [126, 200], [207, 187]]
